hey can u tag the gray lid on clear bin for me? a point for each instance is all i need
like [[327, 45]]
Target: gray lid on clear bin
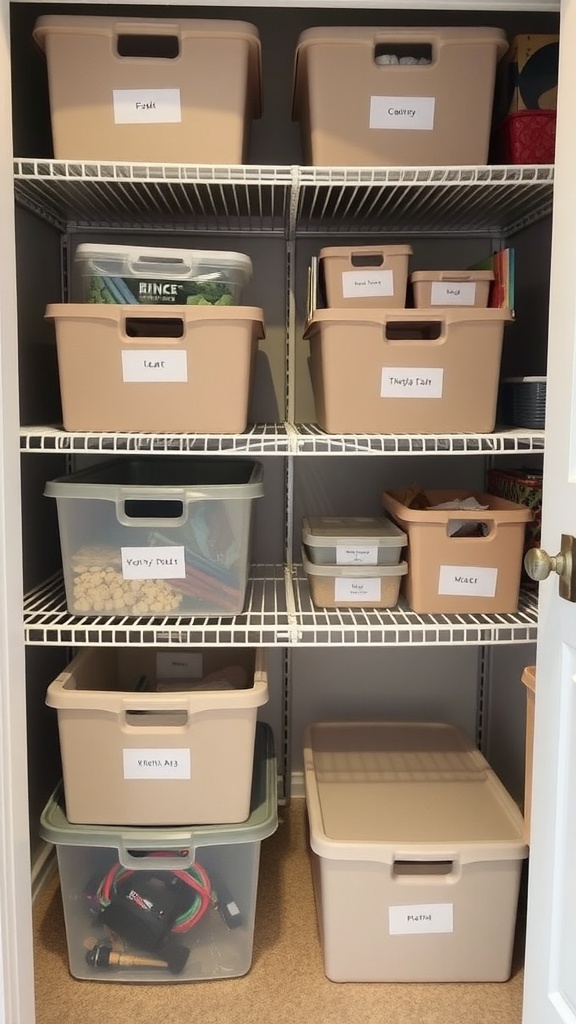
[[329, 531]]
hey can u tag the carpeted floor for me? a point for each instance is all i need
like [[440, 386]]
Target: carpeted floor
[[286, 983]]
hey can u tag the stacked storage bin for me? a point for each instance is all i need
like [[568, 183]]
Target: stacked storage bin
[[169, 787]]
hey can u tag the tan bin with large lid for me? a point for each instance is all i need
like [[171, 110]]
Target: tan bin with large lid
[[181, 369], [151, 89], [355, 107], [406, 370], [417, 852]]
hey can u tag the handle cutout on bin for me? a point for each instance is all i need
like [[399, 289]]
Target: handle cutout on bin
[[151, 327], [358, 259], [419, 51], [152, 46], [417, 330], [422, 867], [156, 717], [150, 509]]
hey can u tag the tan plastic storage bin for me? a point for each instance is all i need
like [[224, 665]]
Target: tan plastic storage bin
[[451, 287], [354, 586], [145, 89], [470, 573], [357, 108], [417, 853], [365, 276], [181, 369], [406, 371], [161, 737], [529, 680]]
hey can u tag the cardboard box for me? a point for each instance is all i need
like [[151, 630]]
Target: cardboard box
[[532, 67]]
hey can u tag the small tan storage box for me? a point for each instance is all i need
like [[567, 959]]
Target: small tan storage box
[[451, 287], [145, 89], [354, 586], [396, 96], [352, 540], [158, 737], [406, 371], [529, 680], [417, 853], [461, 561], [366, 276], [181, 369]]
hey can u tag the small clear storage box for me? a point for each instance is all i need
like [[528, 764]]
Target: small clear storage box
[[352, 540]]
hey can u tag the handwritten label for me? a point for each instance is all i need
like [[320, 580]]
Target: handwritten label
[[421, 918], [368, 589], [156, 763], [412, 382], [356, 283], [165, 563], [153, 366], [467, 580], [453, 293], [170, 665], [146, 106], [350, 555], [408, 113]]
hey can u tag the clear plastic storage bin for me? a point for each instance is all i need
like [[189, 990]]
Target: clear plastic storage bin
[[131, 274], [142, 90], [352, 540], [417, 851], [354, 586], [158, 737], [157, 535], [163, 905], [461, 560], [386, 96], [166, 369]]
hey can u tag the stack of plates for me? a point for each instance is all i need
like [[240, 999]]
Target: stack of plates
[[523, 402]]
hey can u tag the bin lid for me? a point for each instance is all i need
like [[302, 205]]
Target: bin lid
[[353, 571], [156, 261], [329, 531], [365, 250], [262, 822], [451, 275], [377, 789], [189, 479]]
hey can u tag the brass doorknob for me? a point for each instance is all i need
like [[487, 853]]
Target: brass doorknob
[[539, 564]]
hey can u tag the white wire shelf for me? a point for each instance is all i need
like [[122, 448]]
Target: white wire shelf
[[290, 200], [282, 439], [279, 612], [260, 439]]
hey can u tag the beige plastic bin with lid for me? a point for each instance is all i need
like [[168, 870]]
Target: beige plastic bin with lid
[[406, 371], [451, 288], [529, 680], [158, 737], [417, 852], [356, 110], [365, 276], [182, 369], [145, 89], [354, 586], [454, 573]]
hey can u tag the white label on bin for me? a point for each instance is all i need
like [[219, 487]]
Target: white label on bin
[[147, 106], [179, 666], [467, 580], [421, 918], [412, 382], [365, 555], [156, 763], [453, 293], [166, 563], [154, 365], [414, 113], [346, 589], [356, 283]]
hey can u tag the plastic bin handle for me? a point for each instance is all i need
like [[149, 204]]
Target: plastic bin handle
[[172, 856], [433, 868], [134, 509]]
